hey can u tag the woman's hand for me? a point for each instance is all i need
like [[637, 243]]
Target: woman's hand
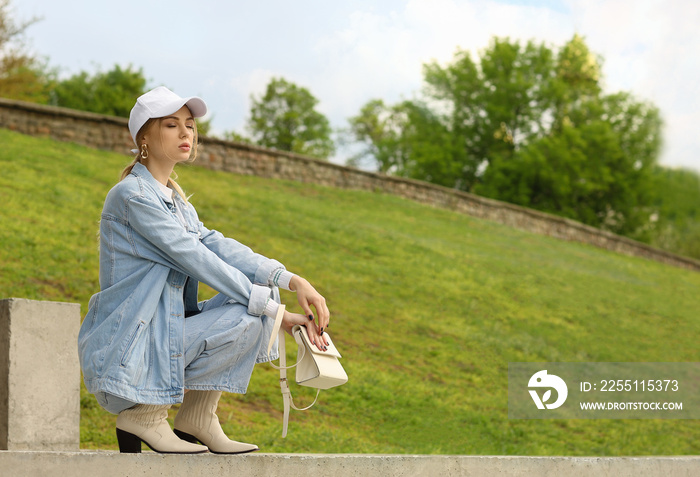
[[290, 319], [308, 297]]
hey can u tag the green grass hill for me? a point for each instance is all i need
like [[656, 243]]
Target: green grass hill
[[428, 308]]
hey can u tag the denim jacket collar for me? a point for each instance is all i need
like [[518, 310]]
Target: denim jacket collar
[[139, 170]]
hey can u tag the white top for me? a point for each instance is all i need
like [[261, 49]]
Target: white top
[[168, 195]]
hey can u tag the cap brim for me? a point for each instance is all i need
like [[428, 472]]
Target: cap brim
[[196, 105]]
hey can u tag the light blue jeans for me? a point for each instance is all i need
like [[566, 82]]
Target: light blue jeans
[[221, 346]]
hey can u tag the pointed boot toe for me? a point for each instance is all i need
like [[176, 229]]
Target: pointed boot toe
[[218, 446], [197, 422]]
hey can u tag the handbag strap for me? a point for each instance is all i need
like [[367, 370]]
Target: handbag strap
[[278, 332]]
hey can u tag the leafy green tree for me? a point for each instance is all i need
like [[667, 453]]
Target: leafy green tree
[[473, 113], [22, 76], [285, 118], [110, 92], [594, 163], [576, 82], [581, 173], [406, 139], [527, 125], [491, 107], [380, 128]]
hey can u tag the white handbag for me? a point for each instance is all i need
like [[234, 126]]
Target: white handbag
[[315, 368]]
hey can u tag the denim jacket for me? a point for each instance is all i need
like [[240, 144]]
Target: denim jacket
[[132, 338]]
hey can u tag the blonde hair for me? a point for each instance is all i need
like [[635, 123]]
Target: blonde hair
[[138, 160]]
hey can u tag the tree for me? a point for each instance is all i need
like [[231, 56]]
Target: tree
[[284, 118], [110, 92], [380, 128], [581, 173], [576, 84], [527, 125], [474, 112], [594, 162], [406, 139], [493, 107], [22, 76]]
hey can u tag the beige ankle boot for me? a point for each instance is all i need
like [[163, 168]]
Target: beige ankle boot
[[147, 423], [196, 421]]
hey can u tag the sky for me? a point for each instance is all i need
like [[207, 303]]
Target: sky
[[346, 52]]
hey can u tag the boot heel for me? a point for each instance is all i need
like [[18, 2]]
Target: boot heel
[[128, 442], [186, 437]]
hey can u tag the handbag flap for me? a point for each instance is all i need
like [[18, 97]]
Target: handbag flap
[[332, 351]]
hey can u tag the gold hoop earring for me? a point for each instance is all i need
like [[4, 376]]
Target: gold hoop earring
[[144, 151]]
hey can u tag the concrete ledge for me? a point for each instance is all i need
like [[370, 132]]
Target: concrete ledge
[[104, 464]]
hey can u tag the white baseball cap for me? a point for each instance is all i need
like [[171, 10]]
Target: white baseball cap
[[158, 103]]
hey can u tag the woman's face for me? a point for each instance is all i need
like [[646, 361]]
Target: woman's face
[[171, 138]]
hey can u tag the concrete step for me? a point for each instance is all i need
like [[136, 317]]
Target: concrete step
[[110, 463]]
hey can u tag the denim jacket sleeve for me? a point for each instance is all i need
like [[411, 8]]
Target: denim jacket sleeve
[[182, 249]]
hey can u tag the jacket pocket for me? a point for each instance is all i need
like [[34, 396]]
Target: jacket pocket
[[131, 343]]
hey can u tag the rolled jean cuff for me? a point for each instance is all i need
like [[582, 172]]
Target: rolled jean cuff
[[258, 299]]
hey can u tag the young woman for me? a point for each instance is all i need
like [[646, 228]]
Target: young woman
[[146, 343]]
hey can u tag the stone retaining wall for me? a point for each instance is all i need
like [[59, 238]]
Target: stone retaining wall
[[111, 133]]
